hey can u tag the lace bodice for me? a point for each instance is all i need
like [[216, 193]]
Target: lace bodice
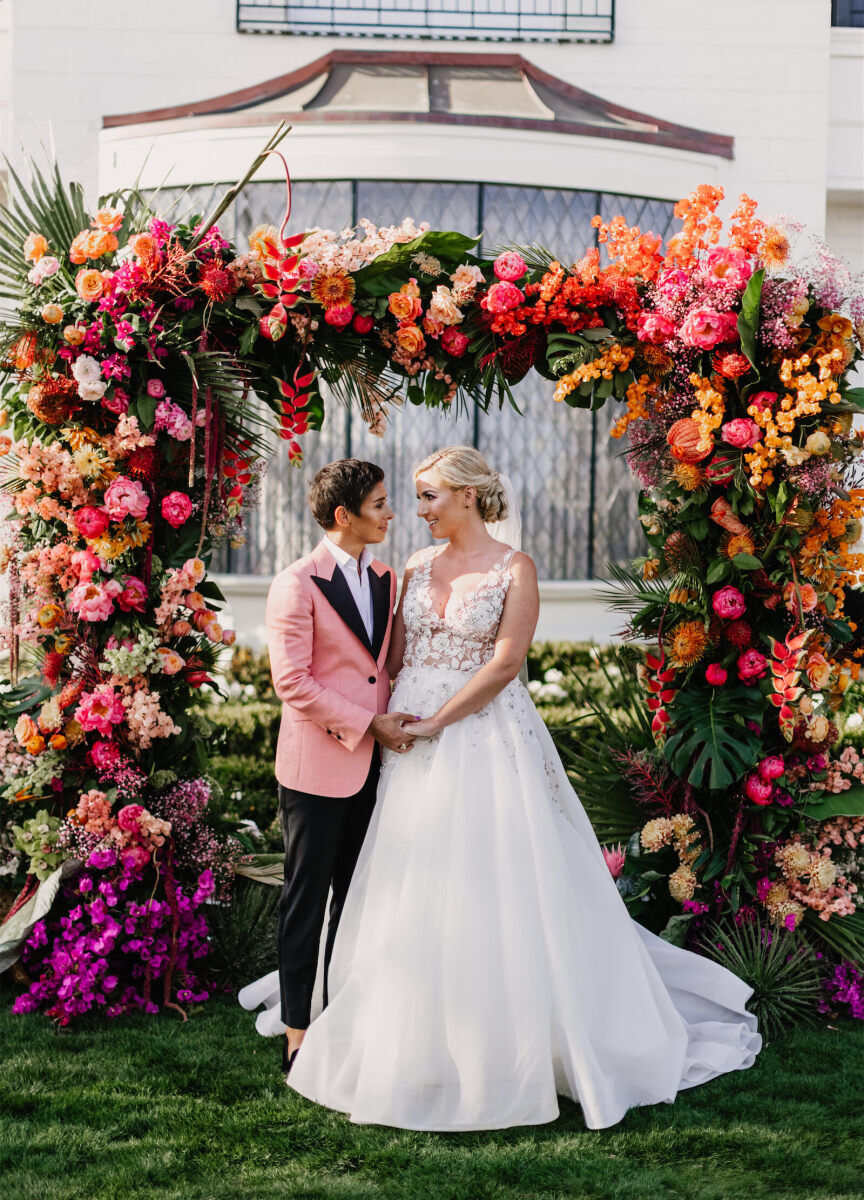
[[463, 639]]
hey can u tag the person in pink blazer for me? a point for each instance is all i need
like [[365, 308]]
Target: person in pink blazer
[[329, 618]]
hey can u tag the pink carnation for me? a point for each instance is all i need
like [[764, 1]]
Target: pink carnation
[[728, 603], [751, 666], [501, 297], [741, 433], [100, 710], [94, 601], [133, 598], [176, 508], [509, 266], [705, 327], [654, 327], [126, 498], [89, 521]]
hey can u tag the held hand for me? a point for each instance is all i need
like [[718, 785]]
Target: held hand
[[425, 727], [387, 729]]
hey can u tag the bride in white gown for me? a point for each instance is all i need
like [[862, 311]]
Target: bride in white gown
[[485, 963]]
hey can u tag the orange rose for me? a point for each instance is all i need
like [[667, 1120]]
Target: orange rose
[[143, 245], [89, 284], [25, 729], [77, 251], [404, 308], [410, 339], [73, 335], [98, 243], [35, 246], [108, 220], [52, 314]]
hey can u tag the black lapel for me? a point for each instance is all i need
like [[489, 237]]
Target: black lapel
[[339, 595], [380, 586]]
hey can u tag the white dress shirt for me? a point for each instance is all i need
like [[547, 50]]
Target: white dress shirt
[[357, 580]]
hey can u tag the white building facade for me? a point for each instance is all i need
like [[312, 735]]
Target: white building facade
[[515, 120]]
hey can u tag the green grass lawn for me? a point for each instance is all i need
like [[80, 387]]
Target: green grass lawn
[[152, 1107]]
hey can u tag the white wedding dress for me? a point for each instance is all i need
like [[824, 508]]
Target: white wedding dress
[[485, 962]]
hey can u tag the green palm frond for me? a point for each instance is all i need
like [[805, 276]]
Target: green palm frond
[[44, 205], [843, 935]]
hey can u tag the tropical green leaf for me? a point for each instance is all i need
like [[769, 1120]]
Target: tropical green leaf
[[677, 928], [843, 935], [845, 804], [748, 318], [710, 745]]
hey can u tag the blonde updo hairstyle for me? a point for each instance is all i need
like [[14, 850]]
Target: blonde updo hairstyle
[[464, 466]]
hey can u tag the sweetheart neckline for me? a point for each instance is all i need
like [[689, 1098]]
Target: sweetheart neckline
[[496, 566]]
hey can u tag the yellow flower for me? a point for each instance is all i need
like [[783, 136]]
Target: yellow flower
[[689, 643], [332, 287], [688, 476]]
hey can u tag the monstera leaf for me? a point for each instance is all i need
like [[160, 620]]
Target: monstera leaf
[[711, 746]]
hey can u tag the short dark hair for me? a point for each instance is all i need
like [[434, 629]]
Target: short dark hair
[[346, 482]]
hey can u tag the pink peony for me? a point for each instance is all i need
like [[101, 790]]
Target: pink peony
[[503, 296], [764, 401], [339, 315], [728, 603], [135, 857], [751, 665], [654, 328], [704, 328], [133, 598], [615, 858], [89, 521], [741, 433], [758, 790], [454, 341], [727, 265], [117, 404], [104, 754], [125, 498], [176, 508], [93, 601], [509, 266], [715, 675], [100, 710], [155, 388], [129, 818], [362, 323], [85, 563], [771, 768]]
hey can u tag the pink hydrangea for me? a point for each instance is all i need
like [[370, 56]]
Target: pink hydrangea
[[509, 266], [502, 296], [133, 597], [751, 666], [705, 327], [728, 603], [94, 601], [741, 433], [654, 327], [125, 498], [100, 710], [176, 508]]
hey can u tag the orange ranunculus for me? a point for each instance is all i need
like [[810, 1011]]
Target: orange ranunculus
[[36, 745], [89, 284], [35, 246], [52, 314], [410, 339], [143, 245], [73, 335], [77, 251], [108, 220], [57, 742]]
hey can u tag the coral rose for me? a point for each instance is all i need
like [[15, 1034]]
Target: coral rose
[[73, 335], [78, 249], [410, 339], [704, 328], [818, 671], [443, 308], [728, 603], [143, 246], [405, 304], [742, 433], [509, 266], [108, 220], [89, 284], [52, 314], [35, 246], [176, 508], [807, 593], [454, 341]]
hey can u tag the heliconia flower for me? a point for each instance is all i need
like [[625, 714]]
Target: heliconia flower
[[509, 266], [723, 514], [615, 858], [758, 790], [729, 603], [715, 675]]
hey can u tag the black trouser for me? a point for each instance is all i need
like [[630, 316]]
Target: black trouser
[[323, 836]]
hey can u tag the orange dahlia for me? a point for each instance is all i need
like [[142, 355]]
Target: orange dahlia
[[333, 287], [689, 643]]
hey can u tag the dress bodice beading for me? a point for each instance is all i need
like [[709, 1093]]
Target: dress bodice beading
[[463, 639]]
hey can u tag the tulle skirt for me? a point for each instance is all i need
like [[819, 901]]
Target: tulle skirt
[[485, 963]]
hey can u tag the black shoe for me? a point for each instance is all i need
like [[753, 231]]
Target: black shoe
[[287, 1059]]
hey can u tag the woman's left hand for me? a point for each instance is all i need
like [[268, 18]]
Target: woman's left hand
[[425, 727]]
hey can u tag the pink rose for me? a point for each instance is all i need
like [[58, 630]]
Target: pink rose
[[176, 508], [715, 675], [727, 265], [155, 388], [771, 768], [100, 710], [723, 514], [89, 521], [728, 603], [194, 601], [133, 598], [741, 433], [129, 817], [135, 857], [118, 403], [751, 665], [125, 498], [362, 323], [93, 601], [758, 790], [704, 328], [509, 266], [654, 327], [454, 341], [339, 315], [229, 637], [501, 297]]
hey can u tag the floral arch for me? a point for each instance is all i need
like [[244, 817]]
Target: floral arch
[[145, 366]]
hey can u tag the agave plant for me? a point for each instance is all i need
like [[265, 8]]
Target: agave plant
[[778, 965]]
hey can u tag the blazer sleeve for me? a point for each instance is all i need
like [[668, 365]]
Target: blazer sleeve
[[289, 639]]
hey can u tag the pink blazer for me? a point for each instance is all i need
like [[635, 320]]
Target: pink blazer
[[330, 678]]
